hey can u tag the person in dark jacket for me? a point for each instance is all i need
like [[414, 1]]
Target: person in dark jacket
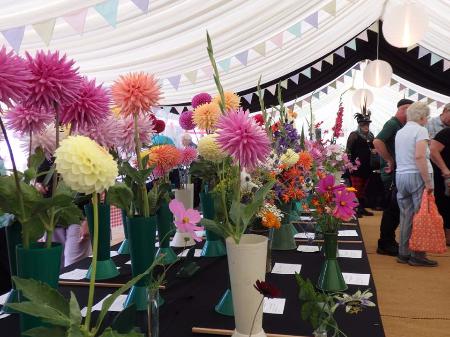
[[359, 148]]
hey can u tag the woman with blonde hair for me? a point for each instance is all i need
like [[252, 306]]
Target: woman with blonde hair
[[414, 175]]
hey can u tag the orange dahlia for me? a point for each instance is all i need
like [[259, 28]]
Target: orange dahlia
[[232, 101], [163, 157], [270, 220], [206, 116], [305, 160]]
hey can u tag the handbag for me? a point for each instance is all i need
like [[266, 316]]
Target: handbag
[[428, 228]]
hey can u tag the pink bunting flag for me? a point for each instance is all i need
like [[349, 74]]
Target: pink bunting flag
[[76, 20], [278, 40]]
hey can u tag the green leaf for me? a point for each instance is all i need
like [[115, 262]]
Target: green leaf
[[235, 212], [110, 333], [36, 159], [214, 227], [68, 215], [250, 210], [124, 320], [43, 311], [120, 195], [75, 331], [54, 331], [29, 174], [74, 313], [152, 196]]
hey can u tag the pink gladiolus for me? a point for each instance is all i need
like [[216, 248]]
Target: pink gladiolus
[[186, 219]]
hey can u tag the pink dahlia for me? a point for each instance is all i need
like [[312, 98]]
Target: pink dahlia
[[126, 137], [14, 78], [54, 80], [26, 120], [200, 99], [188, 155], [44, 139], [186, 121], [242, 138], [91, 107], [107, 133]]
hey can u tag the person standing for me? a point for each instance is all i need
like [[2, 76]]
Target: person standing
[[437, 123], [359, 147], [384, 143]]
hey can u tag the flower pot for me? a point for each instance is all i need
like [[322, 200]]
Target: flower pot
[[106, 268], [124, 249], [214, 245], [165, 220], [141, 236], [39, 263], [283, 237], [246, 264], [186, 196], [13, 238], [331, 278]]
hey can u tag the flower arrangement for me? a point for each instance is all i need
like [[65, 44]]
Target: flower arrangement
[[270, 216]]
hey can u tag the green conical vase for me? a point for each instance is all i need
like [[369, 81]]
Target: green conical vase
[[283, 237], [214, 245], [13, 238], [124, 249], [225, 305], [331, 278], [106, 268], [165, 230]]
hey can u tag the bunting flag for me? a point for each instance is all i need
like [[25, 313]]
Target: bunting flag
[[318, 65], [363, 36], [422, 52], [306, 72], [284, 84], [248, 97], [191, 76], [225, 64], [296, 29], [341, 52], [208, 71], [277, 40], [351, 44], [329, 59], [446, 65], [45, 30], [175, 81], [260, 49], [434, 58], [141, 4], [77, 20], [108, 9], [313, 19], [14, 37], [242, 57], [330, 8], [272, 89], [295, 78]]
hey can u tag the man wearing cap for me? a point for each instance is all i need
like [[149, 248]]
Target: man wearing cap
[[360, 147], [384, 143]]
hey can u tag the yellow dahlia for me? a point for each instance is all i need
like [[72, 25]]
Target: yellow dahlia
[[209, 149], [232, 101], [206, 116], [289, 158], [84, 165]]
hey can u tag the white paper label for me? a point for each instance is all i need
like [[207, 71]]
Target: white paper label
[[197, 253], [305, 218], [3, 298], [350, 253], [356, 279], [308, 249], [76, 274], [116, 306], [286, 268], [348, 232], [274, 305], [3, 315], [305, 235]]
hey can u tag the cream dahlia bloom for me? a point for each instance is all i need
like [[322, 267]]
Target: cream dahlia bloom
[[84, 165], [289, 158], [209, 149]]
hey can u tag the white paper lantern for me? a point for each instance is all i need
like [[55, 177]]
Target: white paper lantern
[[405, 25], [361, 97], [378, 73]]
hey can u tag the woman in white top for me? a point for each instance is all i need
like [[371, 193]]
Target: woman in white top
[[413, 176]]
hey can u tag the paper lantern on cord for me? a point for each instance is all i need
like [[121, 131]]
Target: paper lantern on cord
[[362, 97], [405, 25], [378, 73]]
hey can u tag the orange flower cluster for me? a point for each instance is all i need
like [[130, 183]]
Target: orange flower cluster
[[270, 220], [305, 160]]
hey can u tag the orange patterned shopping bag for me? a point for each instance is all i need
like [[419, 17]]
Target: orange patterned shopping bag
[[428, 228]]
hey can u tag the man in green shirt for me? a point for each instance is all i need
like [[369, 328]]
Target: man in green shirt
[[384, 143]]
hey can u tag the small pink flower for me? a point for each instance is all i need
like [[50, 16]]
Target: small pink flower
[[326, 184], [188, 155], [345, 204], [186, 219]]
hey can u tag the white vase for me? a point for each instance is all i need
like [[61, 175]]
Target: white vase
[[337, 177], [182, 239], [246, 264], [186, 196]]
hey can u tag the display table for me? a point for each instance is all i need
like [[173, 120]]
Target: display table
[[190, 302]]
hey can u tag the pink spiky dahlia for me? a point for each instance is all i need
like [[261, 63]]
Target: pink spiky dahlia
[[201, 98], [188, 155], [136, 93], [244, 140], [91, 107], [14, 78], [126, 138], [26, 120], [44, 139], [107, 133], [186, 121], [54, 80]]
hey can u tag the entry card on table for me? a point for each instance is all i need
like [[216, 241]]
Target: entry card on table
[[348, 232], [305, 235], [308, 249], [274, 305], [3, 315], [197, 253], [116, 306], [111, 254], [3, 298], [76, 274], [305, 218], [350, 253], [356, 279], [286, 268]]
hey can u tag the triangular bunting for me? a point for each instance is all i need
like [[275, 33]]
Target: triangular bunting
[[295, 78], [242, 57], [299, 104], [316, 95], [308, 99], [208, 71], [108, 9], [439, 104], [277, 40], [141, 4], [318, 66], [429, 100], [357, 66], [248, 97], [351, 44], [45, 30], [284, 84], [445, 65], [411, 92], [411, 47], [340, 52], [225, 64], [341, 79], [393, 82], [374, 27], [14, 37], [420, 97], [363, 36], [191, 76], [401, 87], [333, 84], [76, 20], [422, 52], [434, 59], [313, 19], [296, 29], [260, 49], [306, 72], [272, 89], [175, 81], [348, 73], [325, 90], [329, 59], [330, 8]]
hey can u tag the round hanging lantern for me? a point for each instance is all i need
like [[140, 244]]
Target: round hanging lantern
[[378, 73], [405, 25], [362, 97]]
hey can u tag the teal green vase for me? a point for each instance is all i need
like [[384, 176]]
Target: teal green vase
[[225, 305], [13, 238], [331, 278], [39, 263], [214, 245], [141, 236], [124, 249], [106, 268], [165, 230], [283, 237]]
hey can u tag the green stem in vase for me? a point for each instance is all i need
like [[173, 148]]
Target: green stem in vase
[[144, 207]]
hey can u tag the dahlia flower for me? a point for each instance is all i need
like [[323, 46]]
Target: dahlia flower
[[242, 138], [305, 160], [163, 157], [126, 137], [25, 120], [136, 93], [45, 139], [209, 149], [206, 116], [188, 155], [53, 80], [107, 133], [232, 101], [186, 121], [159, 125], [289, 158], [200, 99], [14, 78], [85, 166], [91, 107]]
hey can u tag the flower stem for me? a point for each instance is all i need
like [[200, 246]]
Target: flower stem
[[29, 147], [145, 208], [94, 263], [254, 318], [55, 175]]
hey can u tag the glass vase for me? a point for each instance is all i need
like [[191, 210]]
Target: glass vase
[[153, 313]]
